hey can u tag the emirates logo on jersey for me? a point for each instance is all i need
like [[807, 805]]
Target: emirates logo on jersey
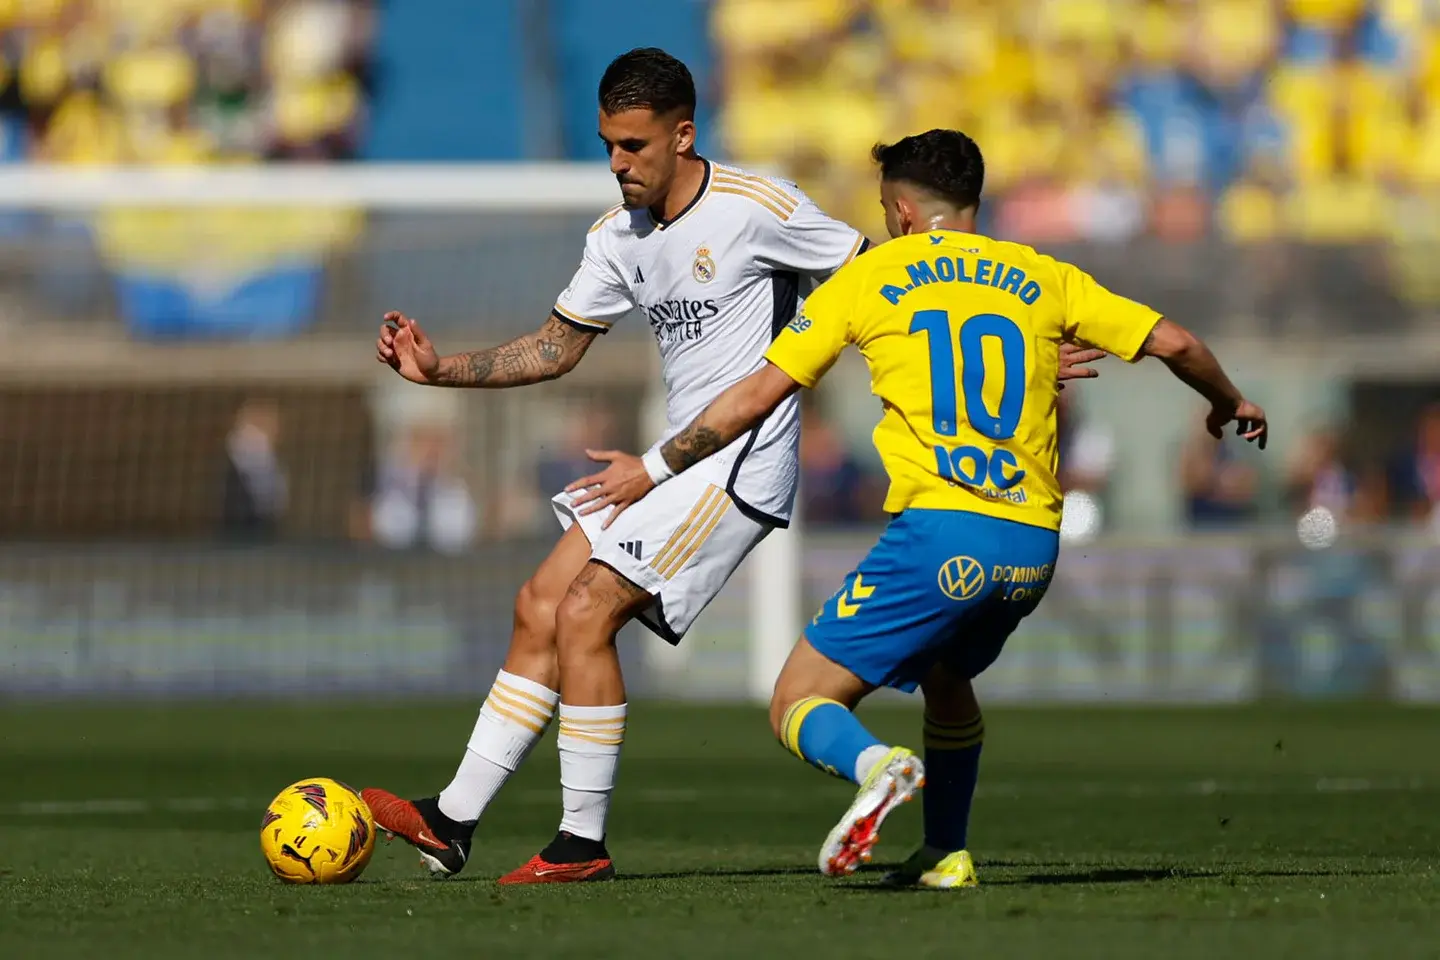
[[676, 320], [704, 268]]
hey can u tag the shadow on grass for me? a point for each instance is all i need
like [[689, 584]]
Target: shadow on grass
[[1064, 875], [756, 873], [1105, 875]]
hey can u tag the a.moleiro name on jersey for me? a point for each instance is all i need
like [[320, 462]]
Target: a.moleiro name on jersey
[[974, 270]]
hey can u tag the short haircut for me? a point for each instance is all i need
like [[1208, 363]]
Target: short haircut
[[648, 78], [944, 163]]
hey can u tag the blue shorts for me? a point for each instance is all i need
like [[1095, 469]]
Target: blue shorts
[[941, 586]]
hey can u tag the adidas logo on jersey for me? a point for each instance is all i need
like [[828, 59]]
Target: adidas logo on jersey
[[633, 547]]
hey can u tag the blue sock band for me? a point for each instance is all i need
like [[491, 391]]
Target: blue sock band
[[952, 767], [823, 733]]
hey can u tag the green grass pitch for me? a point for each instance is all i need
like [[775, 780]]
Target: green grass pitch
[[1265, 832]]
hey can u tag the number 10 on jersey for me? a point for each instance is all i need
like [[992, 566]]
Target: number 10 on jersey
[[969, 464]]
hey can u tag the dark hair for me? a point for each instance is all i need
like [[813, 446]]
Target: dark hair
[[945, 163], [647, 77]]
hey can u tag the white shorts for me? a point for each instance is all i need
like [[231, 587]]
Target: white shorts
[[680, 543]]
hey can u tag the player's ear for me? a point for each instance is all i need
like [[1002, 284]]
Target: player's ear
[[905, 214], [684, 136]]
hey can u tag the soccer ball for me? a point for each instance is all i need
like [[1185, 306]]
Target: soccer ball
[[317, 831]]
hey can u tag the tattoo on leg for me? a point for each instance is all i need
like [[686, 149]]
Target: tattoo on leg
[[604, 590], [580, 587], [626, 594]]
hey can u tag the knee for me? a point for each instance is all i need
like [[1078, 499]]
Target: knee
[[807, 676], [535, 615], [578, 623], [791, 687], [780, 704]]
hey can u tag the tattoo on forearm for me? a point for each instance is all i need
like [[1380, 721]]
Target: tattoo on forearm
[[515, 363], [691, 445], [540, 356], [478, 365]]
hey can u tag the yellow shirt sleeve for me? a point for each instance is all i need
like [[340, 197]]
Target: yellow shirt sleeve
[[813, 341], [1095, 316]]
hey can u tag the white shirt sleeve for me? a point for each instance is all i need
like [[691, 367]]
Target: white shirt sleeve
[[806, 239], [597, 295]]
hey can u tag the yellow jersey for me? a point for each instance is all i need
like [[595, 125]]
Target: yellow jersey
[[962, 336]]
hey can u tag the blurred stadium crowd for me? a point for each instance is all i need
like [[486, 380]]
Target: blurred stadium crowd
[[419, 494], [1243, 122], [183, 81], [1313, 119]]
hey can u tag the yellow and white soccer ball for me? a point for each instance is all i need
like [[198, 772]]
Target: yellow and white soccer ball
[[317, 831]]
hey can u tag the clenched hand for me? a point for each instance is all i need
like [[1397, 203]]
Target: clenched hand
[[406, 349]]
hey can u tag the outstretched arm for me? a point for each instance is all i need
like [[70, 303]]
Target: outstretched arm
[[1196, 366], [628, 477], [549, 352], [751, 400], [729, 415]]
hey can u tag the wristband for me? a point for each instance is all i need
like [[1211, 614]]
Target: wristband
[[656, 466]]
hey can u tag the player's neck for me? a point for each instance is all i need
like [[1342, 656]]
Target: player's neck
[[689, 181], [961, 224], [927, 215]]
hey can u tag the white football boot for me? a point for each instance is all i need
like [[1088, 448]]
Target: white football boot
[[894, 780]]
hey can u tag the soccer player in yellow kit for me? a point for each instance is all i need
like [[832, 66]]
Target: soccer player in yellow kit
[[962, 336]]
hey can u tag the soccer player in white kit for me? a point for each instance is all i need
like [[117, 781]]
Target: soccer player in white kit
[[716, 261]]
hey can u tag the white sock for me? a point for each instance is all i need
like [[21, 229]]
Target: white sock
[[589, 740], [867, 760], [512, 720]]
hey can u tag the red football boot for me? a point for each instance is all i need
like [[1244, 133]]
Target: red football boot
[[568, 859], [444, 844]]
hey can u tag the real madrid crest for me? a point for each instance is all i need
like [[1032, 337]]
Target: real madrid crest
[[704, 269]]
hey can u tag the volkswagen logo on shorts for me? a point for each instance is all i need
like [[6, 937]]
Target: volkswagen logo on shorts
[[961, 578]]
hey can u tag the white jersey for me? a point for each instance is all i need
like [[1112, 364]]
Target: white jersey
[[717, 284]]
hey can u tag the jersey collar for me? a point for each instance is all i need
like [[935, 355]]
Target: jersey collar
[[695, 201]]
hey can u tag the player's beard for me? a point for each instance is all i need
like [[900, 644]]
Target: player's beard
[[635, 198]]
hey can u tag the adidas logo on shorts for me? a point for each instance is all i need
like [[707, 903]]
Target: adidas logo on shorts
[[632, 547]]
